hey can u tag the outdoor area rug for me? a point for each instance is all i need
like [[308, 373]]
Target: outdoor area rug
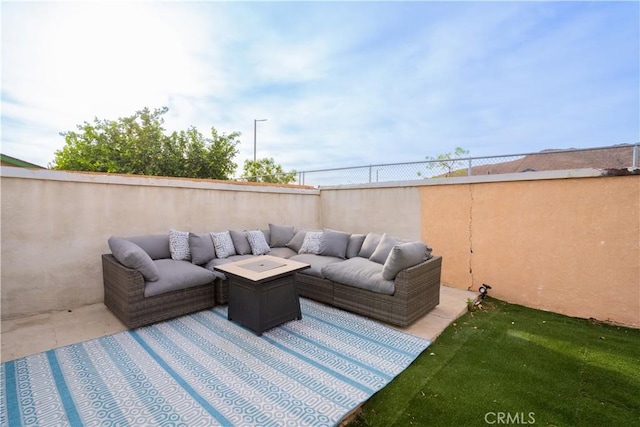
[[203, 370]]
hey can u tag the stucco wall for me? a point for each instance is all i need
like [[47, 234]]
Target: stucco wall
[[567, 242], [55, 225], [376, 208], [569, 246]]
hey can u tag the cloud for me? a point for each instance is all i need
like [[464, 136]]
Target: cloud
[[341, 84]]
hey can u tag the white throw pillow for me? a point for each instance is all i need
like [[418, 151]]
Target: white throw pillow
[[311, 243], [224, 244], [179, 245], [258, 242]]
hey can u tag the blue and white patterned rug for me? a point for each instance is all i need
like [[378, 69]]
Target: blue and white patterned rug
[[202, 370]]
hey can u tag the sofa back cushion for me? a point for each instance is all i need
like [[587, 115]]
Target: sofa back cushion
[[133, 256], [355, 244], [404, 255], [156, 245], [240, 242], [280, 235], [201, 247], [296, 242], [369, 245], [334, 243], [384, 248]]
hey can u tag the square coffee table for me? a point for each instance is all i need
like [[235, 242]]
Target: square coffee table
[[262, 291]]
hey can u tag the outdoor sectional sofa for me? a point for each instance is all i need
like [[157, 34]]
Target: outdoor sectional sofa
[[157, 277]]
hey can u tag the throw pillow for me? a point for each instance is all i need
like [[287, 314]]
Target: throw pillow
[[296, 242], [179, 245], [369, 245], [384, 248], [201, 247], [240, 242], [404, 255], [311, 243], [280, 235], [334, 243], [132, 256], [223, 244], [355, 244], [258, 242]]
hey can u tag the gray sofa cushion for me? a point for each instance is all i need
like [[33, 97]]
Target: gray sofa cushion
[[384, 248], [280, 235], [176, 275], [404, 255], [369, 245], [334, 243], [156, 245], [296, 242], [282, 252], [240, 242], [133, 256], [201, 247], [355, 244], [317, 262], [360, 273]]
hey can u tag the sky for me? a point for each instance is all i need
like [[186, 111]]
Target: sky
[[340, 83]]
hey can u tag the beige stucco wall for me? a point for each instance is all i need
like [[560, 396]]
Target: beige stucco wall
[[561, 241], [373, 208], [55, 225], [566, 245]]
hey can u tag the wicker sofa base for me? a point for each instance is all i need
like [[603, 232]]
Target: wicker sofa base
[[124, 296], [417, 291]]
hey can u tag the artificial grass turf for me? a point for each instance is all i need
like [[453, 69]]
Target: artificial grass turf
[[511, 365]]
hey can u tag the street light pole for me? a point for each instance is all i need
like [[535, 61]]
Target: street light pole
[[255, 122]]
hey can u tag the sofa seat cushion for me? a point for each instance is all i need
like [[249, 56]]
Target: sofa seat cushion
[[176, 275], [317, 263], [360, 273], [283, 252]]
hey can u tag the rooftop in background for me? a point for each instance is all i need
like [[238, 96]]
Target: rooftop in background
[[12, 161]]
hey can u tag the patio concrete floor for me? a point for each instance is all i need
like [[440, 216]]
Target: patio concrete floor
[[34, 334]]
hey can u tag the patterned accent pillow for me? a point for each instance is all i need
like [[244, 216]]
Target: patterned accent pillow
[[258, 242], [223, 244], [311, 243], [179, 245]]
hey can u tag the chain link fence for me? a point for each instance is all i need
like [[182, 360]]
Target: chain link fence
[[612, 157]]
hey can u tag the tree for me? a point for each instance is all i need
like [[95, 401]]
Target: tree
[[138, 145], [266, 170], [450, 162]]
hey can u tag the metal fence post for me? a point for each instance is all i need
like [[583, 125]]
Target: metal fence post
[[469, 169], [636, 148], [370, 168]]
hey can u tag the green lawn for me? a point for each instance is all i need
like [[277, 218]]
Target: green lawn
[[511, 365]]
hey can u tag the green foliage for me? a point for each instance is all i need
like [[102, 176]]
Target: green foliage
[[266, 170], [138, 145], [506, 358], [449, 162]]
